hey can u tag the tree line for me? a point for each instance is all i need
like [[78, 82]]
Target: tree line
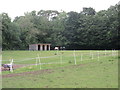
[[85, 30]]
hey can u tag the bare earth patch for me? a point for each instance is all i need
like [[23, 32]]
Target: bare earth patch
[[36, 72], [28, 73]]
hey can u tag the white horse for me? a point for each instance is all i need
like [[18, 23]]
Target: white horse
[[8, 66], [56, 48]]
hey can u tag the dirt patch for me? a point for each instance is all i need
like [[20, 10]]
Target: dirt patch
[[39, 71], [28, 73]]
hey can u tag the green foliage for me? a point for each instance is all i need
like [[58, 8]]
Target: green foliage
[[85, 30]]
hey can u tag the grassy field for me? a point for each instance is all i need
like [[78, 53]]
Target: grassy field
[[66, 69]]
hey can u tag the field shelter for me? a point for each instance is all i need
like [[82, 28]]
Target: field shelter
[[39, 47]]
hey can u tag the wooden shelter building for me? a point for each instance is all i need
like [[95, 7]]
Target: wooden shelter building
[[39, 47]]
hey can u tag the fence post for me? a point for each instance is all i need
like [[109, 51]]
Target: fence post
[[11, 65], [105, 52], [81, 57], [90, 52], [74, 57], [112, 52], [92, 56], [61, 58], [39, 61], [36, 61], [57, 51], [98, 56]]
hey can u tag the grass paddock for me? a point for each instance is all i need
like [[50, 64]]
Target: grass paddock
[[62, 69]]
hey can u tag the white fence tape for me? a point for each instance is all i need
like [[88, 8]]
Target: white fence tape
[[97, 56], [28, 59], [108, 53]]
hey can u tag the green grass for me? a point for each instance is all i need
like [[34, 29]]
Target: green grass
[[66, 55], [88, 73]]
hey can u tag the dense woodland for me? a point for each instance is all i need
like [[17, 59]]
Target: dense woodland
[[87, 29]]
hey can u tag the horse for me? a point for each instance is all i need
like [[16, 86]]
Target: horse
[[56, 48], [6, 67]]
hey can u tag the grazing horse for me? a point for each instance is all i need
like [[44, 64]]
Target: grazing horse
[[6, 67], [56, 48]]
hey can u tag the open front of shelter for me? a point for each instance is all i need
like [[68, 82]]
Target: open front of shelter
[[40, 47]]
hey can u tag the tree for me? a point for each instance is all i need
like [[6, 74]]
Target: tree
[[85, 30], [88, 11], [10, 33]]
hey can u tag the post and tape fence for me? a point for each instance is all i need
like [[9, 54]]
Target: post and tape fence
[[74, 57]]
